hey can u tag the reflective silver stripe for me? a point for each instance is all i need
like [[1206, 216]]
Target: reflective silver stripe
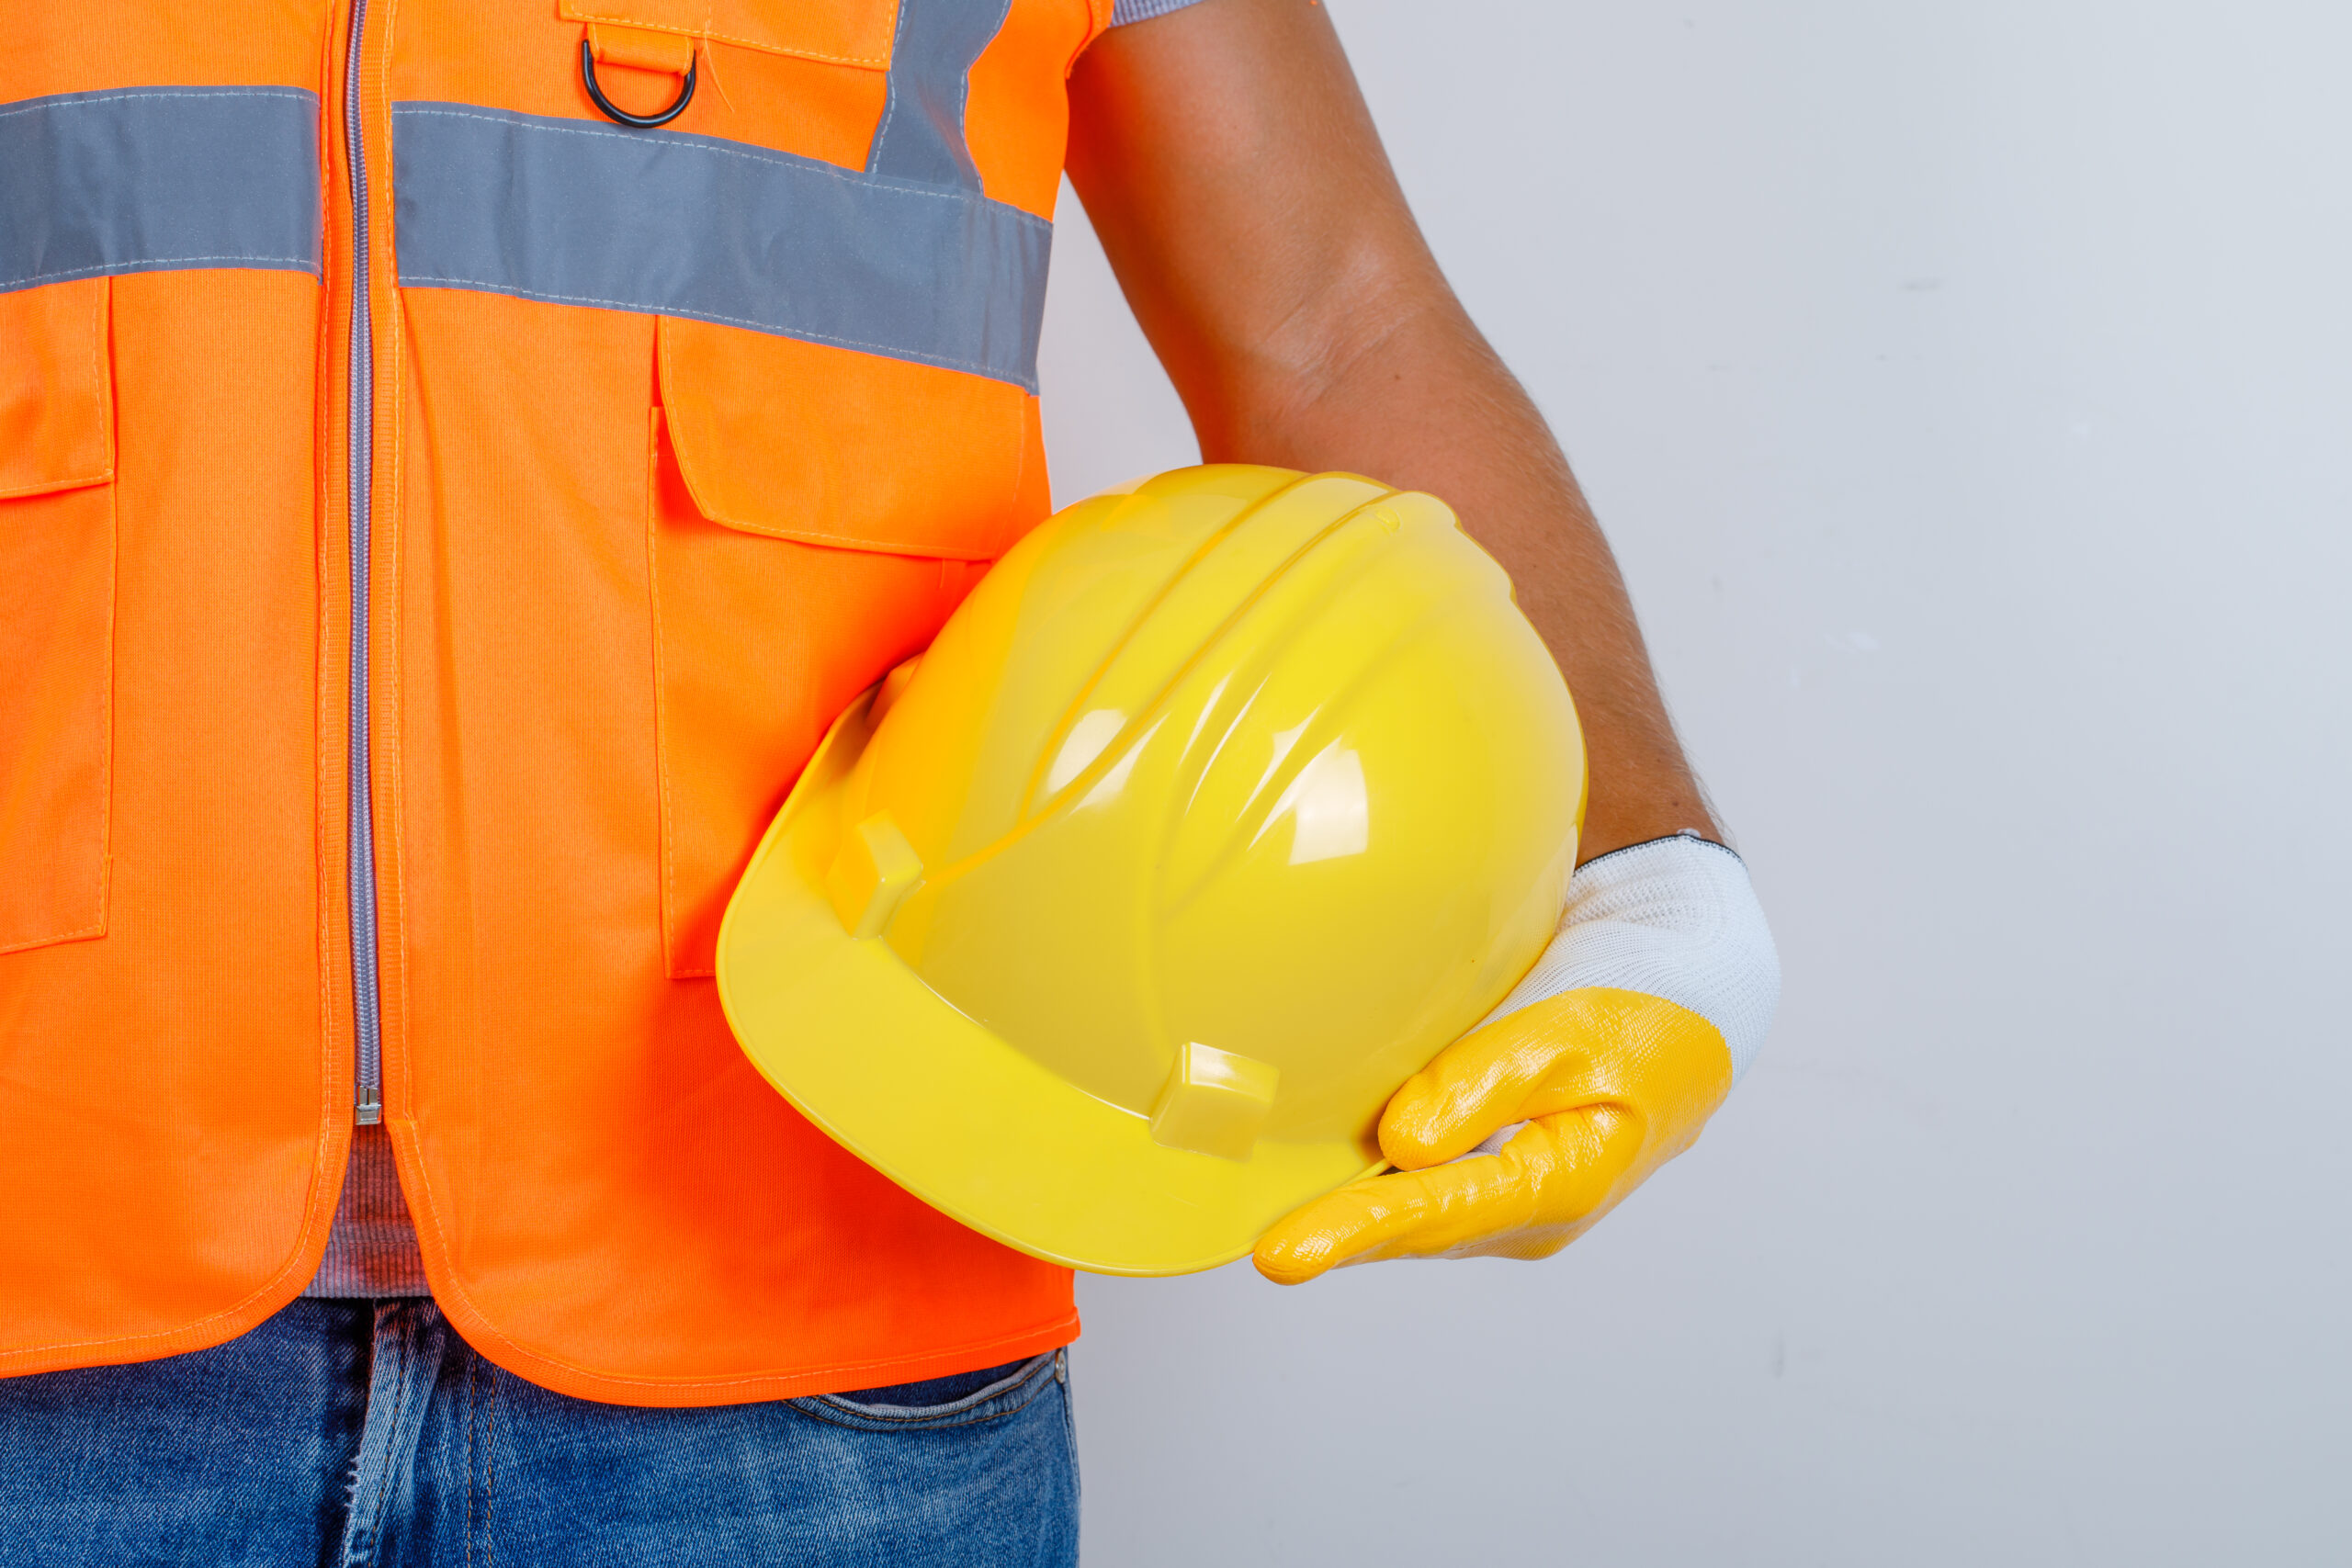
[[156, 179], [679, 225], [922, 133], [906, 258]]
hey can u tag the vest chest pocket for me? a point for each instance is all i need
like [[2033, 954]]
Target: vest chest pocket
[[833, 32], [56, 612], [814, 514]]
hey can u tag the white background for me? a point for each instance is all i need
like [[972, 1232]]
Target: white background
[[1965, 390]]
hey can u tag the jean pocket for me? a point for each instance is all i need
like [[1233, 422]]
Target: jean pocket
[[963, 1400]]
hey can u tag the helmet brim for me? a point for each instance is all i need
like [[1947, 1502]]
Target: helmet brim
[[942, 1105]]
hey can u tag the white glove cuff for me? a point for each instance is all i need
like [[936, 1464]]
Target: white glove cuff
[[1674, 918]]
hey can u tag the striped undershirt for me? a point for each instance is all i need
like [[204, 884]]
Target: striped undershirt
[[1125, 11], [372, 1249]]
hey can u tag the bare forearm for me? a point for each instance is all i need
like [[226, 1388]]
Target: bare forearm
[[1428, 406], [1242, 196]]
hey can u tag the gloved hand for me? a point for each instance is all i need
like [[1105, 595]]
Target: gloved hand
[[1600, 1067]]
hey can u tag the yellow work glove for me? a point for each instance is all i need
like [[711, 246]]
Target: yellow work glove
[[1610, 1077]]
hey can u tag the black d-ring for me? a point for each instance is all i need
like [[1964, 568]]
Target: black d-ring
[[642, 121]]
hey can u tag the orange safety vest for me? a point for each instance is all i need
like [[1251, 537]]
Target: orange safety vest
[[437, 523]]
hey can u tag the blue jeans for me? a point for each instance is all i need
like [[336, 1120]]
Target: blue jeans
[[349, 1432]]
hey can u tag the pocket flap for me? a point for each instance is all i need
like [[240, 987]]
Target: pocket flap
[[858, 451], [838, 32], [56, 399]]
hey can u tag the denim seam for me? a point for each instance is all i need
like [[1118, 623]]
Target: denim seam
[[490, 1477], [834, 1415], [351, 1491], [467, 1463], [1069, 1416], [979, 1398], [383, 1486], [824, 1407]]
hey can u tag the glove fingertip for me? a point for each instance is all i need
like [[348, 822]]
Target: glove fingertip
[[1293, 1260]]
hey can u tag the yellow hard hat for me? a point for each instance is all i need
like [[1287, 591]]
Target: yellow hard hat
[[1109, 925]]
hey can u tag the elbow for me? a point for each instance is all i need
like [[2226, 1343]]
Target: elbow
[[1254, 396]]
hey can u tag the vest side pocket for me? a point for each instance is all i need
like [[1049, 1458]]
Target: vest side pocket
[[57, 563], [833, 446], [814, 515]]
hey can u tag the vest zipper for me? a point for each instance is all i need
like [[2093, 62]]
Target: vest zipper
[[368, 1037]]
